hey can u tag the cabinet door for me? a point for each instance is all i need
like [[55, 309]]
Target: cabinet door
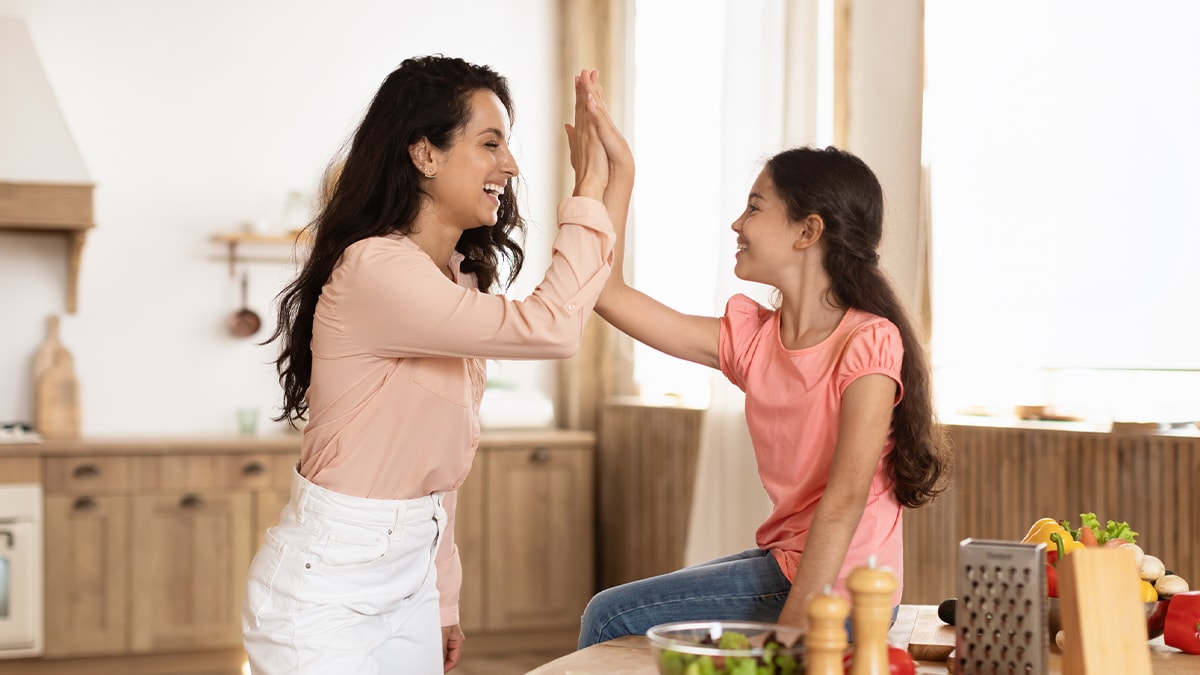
[[468, 534], [190, 554], [85, 584], [539, 537]]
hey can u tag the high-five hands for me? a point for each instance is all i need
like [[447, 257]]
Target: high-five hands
[[620, 157], [588, 156]]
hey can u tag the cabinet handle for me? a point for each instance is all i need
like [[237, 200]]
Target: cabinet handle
[[191, 503], [254, 469], [540, 455], [86, 472], [85, 504]]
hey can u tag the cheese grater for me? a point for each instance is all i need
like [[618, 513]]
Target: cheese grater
[[1000, 618]]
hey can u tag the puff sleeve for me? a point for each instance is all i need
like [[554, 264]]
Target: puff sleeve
[[875, 348], [739, 336]]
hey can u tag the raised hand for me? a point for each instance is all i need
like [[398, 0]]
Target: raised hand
[[620, 157], [588, 156]]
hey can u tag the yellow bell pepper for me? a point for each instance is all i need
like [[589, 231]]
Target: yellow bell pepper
[[1041, 531], [1035, 530], [1063, 544], [1148, 592]]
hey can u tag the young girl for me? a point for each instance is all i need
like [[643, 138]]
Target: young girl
[[384, 333], [837, 390]]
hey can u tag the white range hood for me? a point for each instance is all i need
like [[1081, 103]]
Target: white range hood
[[35, 144], [44, 185]]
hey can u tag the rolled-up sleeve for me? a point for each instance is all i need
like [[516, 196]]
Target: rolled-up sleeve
[[400, 305]]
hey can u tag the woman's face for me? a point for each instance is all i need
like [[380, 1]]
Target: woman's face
[[474, 171]]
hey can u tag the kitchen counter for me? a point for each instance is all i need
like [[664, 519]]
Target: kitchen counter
[[237, 444], [147, 445], [631, 655]]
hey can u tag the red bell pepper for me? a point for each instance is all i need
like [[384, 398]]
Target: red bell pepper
[[899, 662], [1182, 628]]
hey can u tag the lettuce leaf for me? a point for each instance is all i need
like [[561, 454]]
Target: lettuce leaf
[[1112, 530]]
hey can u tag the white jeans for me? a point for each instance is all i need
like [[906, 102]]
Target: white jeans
[[347, 586]]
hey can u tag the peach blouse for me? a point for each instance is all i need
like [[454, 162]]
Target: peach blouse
[[398, 356]]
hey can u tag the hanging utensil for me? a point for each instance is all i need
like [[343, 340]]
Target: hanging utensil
[[244, 322]]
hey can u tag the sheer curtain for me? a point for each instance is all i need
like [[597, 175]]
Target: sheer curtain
[[718, 88]]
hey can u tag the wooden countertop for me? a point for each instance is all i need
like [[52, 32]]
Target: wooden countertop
[[269, 443], [631, 655]]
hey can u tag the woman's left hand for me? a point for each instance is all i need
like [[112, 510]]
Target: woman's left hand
[[588, 156], [452, 643], [620, 156]]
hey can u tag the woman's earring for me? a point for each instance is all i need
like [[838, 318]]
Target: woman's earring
[[430, 174]]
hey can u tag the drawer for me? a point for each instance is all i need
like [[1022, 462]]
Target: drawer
[[87, 474], [202, 472], [282, 468]]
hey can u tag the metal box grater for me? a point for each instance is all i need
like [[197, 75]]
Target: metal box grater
[[1000, 618]]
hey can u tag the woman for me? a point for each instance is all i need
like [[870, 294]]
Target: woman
[[837, 386], [383, 334]]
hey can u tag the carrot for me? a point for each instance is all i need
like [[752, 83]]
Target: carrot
[[1087, 537]]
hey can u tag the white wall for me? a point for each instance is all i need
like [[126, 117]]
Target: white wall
[[193, 117]]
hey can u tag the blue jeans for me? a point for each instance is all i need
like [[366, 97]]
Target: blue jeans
[[746, 586]]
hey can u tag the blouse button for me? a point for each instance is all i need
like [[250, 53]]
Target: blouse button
[[571, 307]]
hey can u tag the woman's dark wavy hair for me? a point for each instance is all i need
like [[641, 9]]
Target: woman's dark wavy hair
[[844, 192], [376, 190]]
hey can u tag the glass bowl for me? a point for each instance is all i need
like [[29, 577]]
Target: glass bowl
[[1156, 614], [676, 645]]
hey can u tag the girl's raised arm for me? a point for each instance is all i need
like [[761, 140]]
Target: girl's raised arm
[[685, 336]]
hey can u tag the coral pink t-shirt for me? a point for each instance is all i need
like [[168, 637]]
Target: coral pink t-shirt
[[793, 404]]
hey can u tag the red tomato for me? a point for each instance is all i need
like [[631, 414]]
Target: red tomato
[[899, 662]]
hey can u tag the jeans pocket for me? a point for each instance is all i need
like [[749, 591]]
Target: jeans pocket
[[342, 549], [261, 578]]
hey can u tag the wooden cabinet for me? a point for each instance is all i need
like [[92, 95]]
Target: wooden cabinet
[[148, 544], [149, 553], [525, 530], [87, 537]]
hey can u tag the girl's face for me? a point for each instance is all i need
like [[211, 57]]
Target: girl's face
[[474, 171], [765, 234]]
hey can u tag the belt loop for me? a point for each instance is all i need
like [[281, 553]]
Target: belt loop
[[301, 499]]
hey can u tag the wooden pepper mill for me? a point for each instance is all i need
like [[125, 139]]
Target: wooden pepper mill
[[825, 643], [871, 590]]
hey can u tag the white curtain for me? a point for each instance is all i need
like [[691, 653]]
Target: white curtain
[[729, 501]]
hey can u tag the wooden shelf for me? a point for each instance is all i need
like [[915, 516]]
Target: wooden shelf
[[53, 208], [232, 240]]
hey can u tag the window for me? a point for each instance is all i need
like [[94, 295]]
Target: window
[[1065, 190], [710, 78]]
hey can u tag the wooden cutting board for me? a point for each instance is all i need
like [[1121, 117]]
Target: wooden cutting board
[[56, 389], [931, 639]]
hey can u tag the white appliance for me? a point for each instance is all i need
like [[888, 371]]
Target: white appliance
[[20, 571]]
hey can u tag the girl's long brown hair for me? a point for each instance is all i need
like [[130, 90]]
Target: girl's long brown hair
[[844, 192]]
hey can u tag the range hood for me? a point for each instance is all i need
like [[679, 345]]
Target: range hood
[[44, 185]]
